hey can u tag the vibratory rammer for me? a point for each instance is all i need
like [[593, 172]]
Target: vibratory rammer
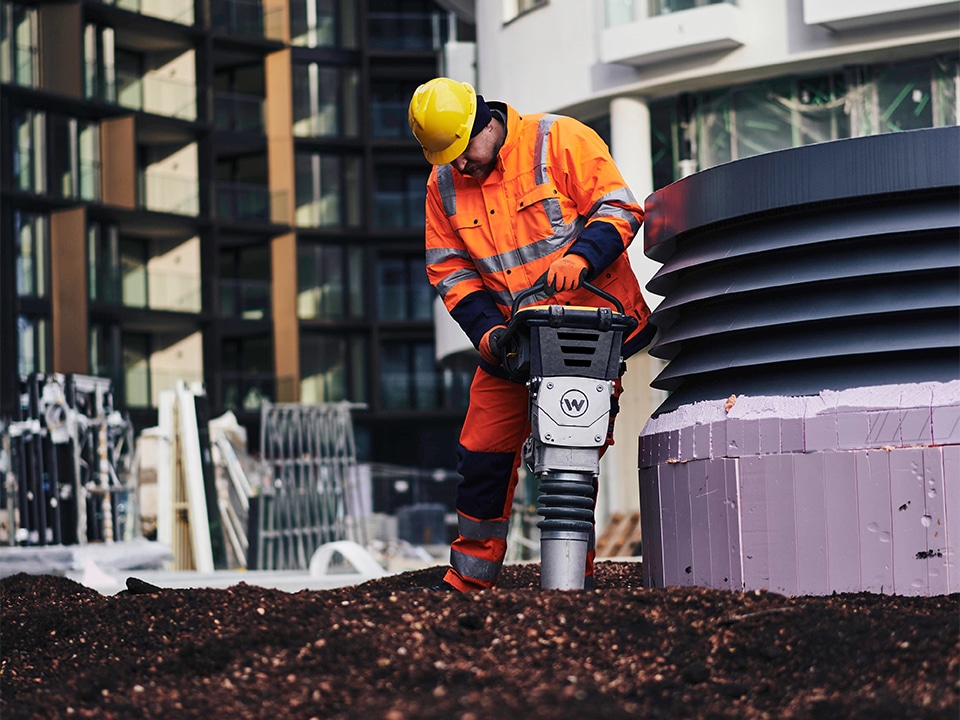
[[569, 358]]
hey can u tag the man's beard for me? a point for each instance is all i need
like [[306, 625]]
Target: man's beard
[[479, 171]]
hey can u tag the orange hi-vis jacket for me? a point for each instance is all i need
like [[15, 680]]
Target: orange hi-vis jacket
[[555, 190]]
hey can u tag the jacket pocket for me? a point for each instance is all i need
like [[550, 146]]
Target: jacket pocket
[[541, 192]]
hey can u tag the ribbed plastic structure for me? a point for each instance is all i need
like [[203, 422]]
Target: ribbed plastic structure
[[829, 266], [811, 323]]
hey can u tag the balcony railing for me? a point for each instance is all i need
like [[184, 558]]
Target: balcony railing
[[389, 119], [178, 11], [142, 385], [169, 193], [137, 287], [237, 17], [238, 112], [398, 209], [243, 201], [322, 124], [664, 7], [248, 390], [24, 70], [247, 299], [153, 94]]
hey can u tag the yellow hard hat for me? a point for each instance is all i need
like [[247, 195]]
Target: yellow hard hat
[[441, 116]]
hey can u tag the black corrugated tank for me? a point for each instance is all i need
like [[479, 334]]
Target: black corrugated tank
[[829, 266]]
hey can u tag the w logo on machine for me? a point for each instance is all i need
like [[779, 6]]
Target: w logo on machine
[[574, 403]]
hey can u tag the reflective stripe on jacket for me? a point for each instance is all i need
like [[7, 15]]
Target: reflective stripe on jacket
[[555, 190]]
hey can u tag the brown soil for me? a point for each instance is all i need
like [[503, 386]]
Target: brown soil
[[384, 651]]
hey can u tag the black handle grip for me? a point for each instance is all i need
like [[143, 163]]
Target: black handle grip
[[541, 285]]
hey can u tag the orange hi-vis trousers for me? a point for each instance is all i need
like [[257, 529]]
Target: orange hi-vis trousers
[[490, 453]]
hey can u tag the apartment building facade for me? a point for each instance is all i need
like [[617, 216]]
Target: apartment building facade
[[225, 192]]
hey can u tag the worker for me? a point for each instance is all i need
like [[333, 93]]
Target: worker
[[512, 201]]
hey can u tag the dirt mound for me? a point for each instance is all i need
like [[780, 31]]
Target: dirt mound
[[384, 650]]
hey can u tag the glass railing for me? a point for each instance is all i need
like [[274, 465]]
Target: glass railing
[[237, 17], [99, 82], [237, 112], [407, 31], [88, 179], [142, 386], [322, 124], [398, 209], [389, 119], [178, 11], [179, 292], [24, 71], [137, 287], [324, 212], [247, 299], [663, 7], [243, 201], [169, 193], [247, 390], [153, 94]]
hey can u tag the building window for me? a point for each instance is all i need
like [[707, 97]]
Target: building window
[[332, 368], [28, 151], [323, 23], [514, 8], [399, 199], [389, 100], [409, 376], [30, 231], [329, 189], [33, 343], [325, 101], [329, 281], [99, 77], [74, 158], [694, 132], [245, 283], [18, 44], [403, 292], [663, 7]]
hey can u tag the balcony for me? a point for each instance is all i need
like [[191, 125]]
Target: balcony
[[675, 35], [852, 14]]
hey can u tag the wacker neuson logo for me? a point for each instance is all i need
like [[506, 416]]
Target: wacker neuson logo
[[574, 403]]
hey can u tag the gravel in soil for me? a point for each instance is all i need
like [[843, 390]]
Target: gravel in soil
[[385, 650]]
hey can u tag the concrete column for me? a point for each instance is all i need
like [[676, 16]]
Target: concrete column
[[630, 146]]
